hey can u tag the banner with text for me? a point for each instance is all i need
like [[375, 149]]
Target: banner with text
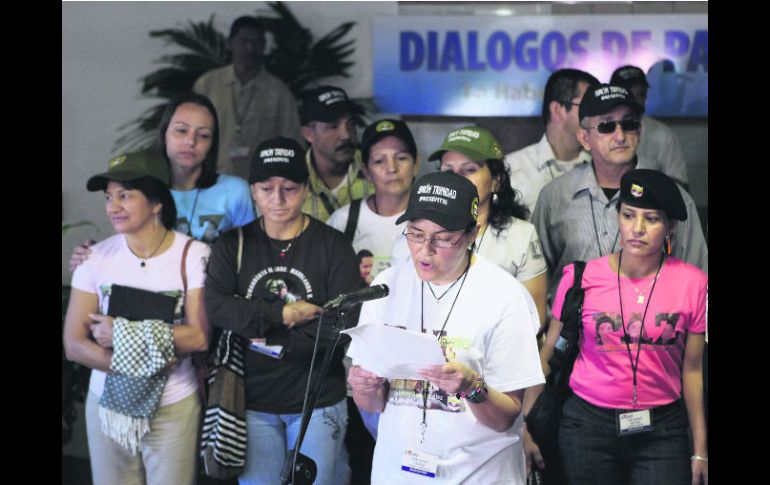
[[498, 66]]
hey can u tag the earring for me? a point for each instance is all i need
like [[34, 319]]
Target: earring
[[668, 245], [494, 198]]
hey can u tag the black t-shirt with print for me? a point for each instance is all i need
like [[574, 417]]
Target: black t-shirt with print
[[319, 266]]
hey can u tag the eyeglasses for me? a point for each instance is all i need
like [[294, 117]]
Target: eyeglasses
[[607, 127], [419, 238]]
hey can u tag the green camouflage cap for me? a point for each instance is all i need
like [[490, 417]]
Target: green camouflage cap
[[131, 166], [474, 142]]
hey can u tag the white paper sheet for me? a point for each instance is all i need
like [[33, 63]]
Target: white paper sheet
[[392, 352]]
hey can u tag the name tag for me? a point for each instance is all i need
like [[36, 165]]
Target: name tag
[[634, 422], [260, 345], [420, 463]]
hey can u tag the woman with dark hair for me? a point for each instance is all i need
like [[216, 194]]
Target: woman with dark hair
[[459, 421], [207, 203], [626, 420], [142, 411], [188, 136], [291, 264], [505, 237]]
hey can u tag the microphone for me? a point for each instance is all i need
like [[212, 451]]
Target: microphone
[[359, 296]]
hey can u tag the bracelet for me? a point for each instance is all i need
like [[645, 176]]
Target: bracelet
[[698, 458], [478, 394]]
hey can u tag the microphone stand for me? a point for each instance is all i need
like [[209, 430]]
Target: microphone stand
[[299, 469]]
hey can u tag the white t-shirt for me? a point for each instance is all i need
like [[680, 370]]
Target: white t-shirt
[[490, 329], [517, 249], [111, 262], [374, 232]]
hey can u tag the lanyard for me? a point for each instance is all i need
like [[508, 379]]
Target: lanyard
[[596, 229], [426, 384], [635, 365]]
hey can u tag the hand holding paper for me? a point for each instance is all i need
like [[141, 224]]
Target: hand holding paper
[[392, 352]]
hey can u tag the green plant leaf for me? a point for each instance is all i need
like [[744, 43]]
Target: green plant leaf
[[65, 227]]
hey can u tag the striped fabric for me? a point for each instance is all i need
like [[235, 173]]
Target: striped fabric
[[223, 437]]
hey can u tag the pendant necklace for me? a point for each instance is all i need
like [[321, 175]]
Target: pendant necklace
[[144, 259], [282, 252]]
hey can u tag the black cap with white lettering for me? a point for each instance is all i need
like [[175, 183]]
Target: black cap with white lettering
[[279, 157], [600, 99], [446, 198]]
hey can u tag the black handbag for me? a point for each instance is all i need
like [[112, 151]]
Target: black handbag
[[544, 418]]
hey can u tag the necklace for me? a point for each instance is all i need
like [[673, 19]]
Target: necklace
[[282, 252], [192, 213], [144, 259], [481, 239], [640, 294], [438, 298]]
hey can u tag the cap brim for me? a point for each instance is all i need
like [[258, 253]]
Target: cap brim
[[449, 222], [334, 112], [292, 175], [100, 181], [472, 154]]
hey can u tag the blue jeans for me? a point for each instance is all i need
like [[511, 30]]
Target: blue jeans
[[271, 435], [594, 454]]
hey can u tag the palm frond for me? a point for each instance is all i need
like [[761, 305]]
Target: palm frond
[[297, 60]]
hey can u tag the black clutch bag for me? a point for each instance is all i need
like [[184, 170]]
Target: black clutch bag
[[135, 304]]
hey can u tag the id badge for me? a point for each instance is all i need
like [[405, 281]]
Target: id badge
[[420, 463], [632, 422], [260, 345]]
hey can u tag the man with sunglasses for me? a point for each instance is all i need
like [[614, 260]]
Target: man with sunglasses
[[576, 215], [558, 151]]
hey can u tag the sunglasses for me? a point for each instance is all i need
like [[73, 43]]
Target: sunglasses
[[607, 127]]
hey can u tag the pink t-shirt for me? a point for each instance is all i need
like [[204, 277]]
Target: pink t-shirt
[[602, 374]]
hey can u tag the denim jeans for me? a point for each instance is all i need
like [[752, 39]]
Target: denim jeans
[[594, 454], [270, 436]]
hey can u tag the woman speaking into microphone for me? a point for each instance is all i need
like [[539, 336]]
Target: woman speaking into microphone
[[461, 420]]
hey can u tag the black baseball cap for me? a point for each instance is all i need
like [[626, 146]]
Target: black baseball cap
[[279, 157], [131, 166], [384, 128], [324, 103], [600, 99], [446, 198], [627, 76], [651, 189]]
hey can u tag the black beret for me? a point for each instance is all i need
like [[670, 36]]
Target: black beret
[[651, 189]]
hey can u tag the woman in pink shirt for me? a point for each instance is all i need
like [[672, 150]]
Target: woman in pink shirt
[[637, 382]]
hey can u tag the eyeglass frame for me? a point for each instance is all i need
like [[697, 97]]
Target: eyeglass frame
[[432, 240], [614, 124]]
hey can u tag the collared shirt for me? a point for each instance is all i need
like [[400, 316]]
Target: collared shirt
[[249, 114], [658, 142], [534, 166], [321, 200], [575, 221]]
